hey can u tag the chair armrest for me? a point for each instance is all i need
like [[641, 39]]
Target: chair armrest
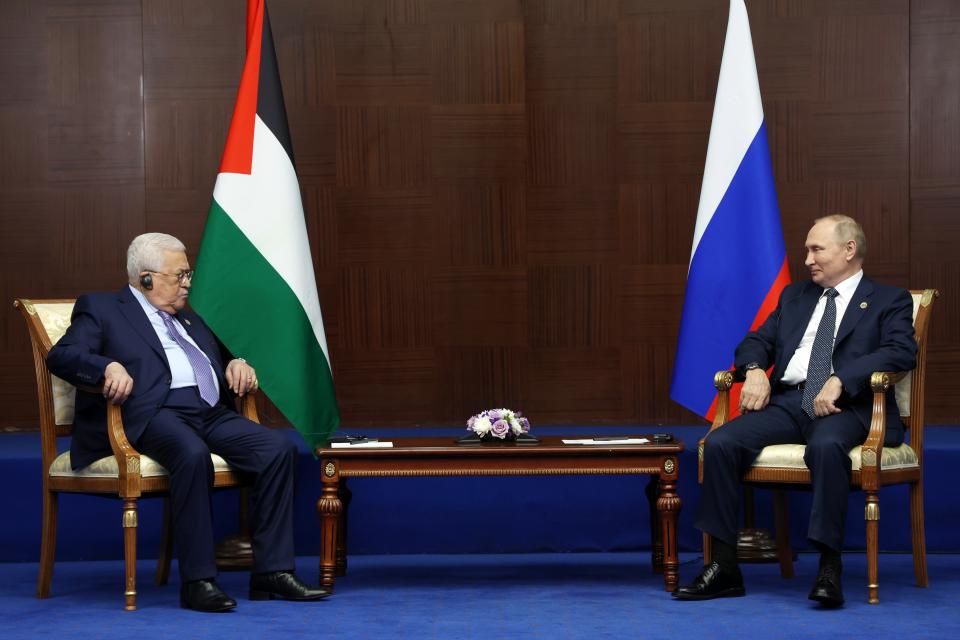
[[248, 406], [723, 381], [128, 458], [872, 451]]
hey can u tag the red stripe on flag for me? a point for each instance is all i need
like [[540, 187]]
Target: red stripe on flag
[[254, 9], [773, 295], [766, 308], [238, 151]]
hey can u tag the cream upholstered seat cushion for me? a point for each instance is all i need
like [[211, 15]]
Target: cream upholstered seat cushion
[[107, 467], [790, 456]]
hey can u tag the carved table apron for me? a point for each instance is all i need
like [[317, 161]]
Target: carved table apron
[[418, 457]]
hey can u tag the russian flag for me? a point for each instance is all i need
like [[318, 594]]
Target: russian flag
[[738, 265]]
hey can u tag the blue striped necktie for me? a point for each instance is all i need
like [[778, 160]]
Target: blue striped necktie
[[821, 355], [198, 362]]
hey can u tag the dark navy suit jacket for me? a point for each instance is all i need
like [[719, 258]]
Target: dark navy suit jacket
[[875, 334], [112, 327]]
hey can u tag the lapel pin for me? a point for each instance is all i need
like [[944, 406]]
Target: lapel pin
[[863, 305]]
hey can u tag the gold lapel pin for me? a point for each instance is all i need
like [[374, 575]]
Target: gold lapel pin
[[863, 305]]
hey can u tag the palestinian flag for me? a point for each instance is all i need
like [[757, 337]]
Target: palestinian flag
[[254, 283]]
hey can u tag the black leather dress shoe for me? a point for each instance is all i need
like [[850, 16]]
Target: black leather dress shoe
[[826, 589], [283, 585], [205, 595], [713, 582]]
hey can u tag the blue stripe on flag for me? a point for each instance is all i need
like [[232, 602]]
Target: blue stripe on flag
[[735, 264]]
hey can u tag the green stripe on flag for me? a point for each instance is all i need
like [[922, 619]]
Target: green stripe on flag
[[257, 316]]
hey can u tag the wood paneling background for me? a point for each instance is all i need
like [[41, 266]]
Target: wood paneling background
[[500, 195]]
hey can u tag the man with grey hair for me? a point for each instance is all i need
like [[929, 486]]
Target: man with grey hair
[[148, 352], [823, 341]]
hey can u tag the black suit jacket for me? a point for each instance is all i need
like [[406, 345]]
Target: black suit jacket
[[108, 327], [875, 334]]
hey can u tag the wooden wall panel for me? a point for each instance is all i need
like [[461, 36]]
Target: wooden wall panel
[[935, 187], [71, 164], [500, 195], [193, 54]]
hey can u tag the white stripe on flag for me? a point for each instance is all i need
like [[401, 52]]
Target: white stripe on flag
[[266, 207], [737, 116]]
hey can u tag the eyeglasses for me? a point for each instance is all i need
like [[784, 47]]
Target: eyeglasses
[[181, 276]]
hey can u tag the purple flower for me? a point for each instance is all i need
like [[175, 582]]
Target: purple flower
[[524, 425], [500, 429], [471, 422], [493, 414]]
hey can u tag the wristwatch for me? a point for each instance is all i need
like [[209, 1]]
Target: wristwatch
[[750, 366]]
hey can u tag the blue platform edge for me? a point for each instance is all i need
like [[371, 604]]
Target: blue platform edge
[[524, 514]]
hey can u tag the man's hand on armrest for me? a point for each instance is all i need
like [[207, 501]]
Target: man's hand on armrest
[[241, 377], [117, 383], [756, 391]]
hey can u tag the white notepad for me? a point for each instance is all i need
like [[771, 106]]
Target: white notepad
[[362, 445], [591, 441]]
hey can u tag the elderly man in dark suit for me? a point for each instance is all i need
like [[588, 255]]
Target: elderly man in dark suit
[[824, 340], [163, 364]]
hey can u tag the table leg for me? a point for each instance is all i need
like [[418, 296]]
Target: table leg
[[330, 509], [656, 533], [345, 496], [668, 505]]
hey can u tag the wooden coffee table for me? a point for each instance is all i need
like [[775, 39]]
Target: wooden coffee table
[[418, 457]]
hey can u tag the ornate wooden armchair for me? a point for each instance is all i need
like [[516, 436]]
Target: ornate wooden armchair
[[125, 475], [874, 466]]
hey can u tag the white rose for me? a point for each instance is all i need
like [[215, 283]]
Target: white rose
[[482, 425]]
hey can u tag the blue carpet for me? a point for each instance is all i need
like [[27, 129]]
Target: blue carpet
[[553, 596]]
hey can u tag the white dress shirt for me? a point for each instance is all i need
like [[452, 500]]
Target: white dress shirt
[[796, 371], [181, 373]]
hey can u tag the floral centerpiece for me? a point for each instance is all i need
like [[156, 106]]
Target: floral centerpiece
[[502, 424]]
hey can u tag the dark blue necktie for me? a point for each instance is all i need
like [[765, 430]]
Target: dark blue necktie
[[821, 356], [198, 362]]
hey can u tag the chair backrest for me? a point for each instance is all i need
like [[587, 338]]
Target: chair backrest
[[910, 390], [47, 321]]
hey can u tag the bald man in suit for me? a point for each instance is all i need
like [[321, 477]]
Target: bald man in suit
[[824, 340]]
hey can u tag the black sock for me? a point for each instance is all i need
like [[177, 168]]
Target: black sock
[[724, 554], [828, 555]]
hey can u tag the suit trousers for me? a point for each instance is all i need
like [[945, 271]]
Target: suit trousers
[[181, 437], [728, 453]]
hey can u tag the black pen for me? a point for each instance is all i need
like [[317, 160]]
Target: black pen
[[609, 438], [362, 440]]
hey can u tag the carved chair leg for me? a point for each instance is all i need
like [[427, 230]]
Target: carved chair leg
[[918, 534], [872, 516], [166, 545], [48, 543], [707, 551], [130, 553], [781, 514]]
